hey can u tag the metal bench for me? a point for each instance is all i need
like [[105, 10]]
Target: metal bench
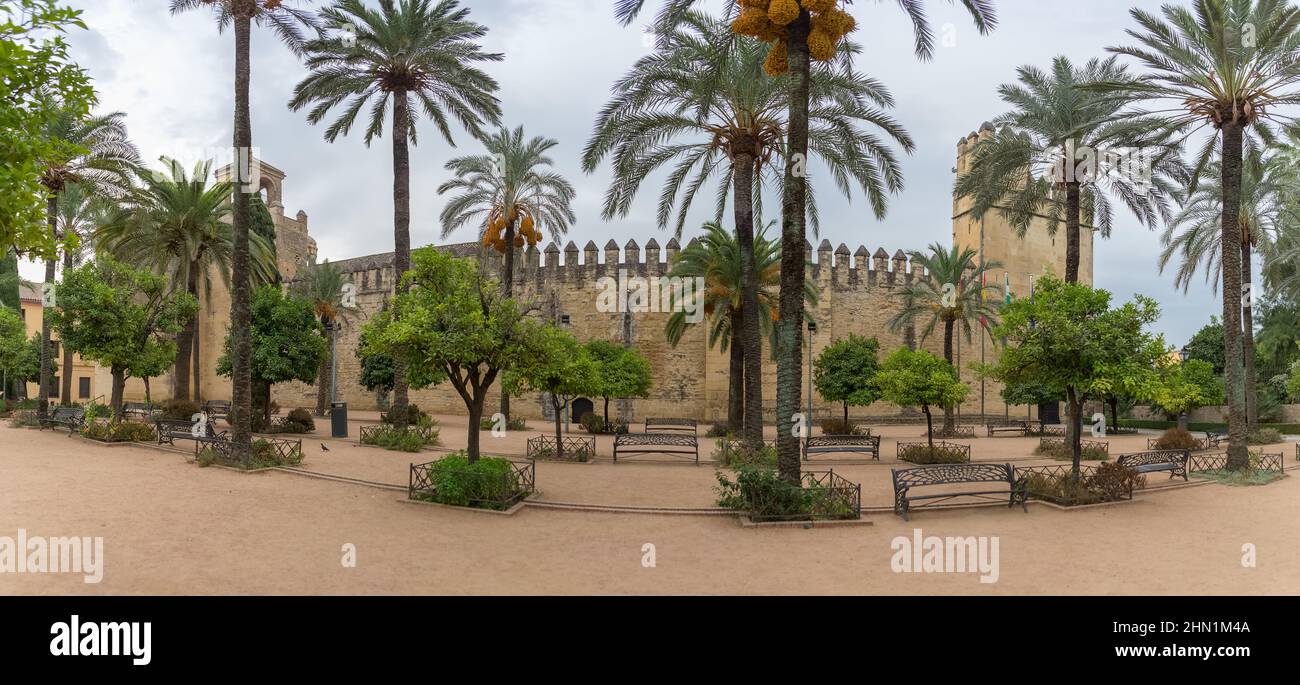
[[1155, 461], [169, 431], [905, 480], [145, 410], [832, 444], [671, 425], [679, 446], [217, 409], [1212, 439], [1023, 428], [74, 418]]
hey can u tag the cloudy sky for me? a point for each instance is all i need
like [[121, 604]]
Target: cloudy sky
[[173, 78]]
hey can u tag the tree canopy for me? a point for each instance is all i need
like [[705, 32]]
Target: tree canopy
[[845, 372], [918, 378], [622, 372]]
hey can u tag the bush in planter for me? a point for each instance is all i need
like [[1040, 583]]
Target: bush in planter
[[1264, 436], [765, 495], [393, 438], [489, 483], [1177, 439], [299, 421], [179, 410], [517, 423], [595, 424], [1060, 451], [718, 430], [939, 453], [842, 427], [24, 418], [733, 454], [1108, 482], [414, 417], [125, 431]]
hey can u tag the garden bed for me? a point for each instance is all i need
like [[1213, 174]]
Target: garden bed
[[408, 439], [267, 453], [1089, 450], [730, 452], [962, 432], [1094, 484], [1196, 445], [108, 432], [1264, 468], [576, 449], [938, 453], [490, 483], [766, 497]]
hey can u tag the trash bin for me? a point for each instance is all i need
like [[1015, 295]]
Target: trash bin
[[338, 419]]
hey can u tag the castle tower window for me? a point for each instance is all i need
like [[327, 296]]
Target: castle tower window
[[365, 280]]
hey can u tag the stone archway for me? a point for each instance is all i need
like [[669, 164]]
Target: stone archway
[[581, 407]]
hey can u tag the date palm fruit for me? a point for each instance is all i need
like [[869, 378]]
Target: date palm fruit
[[519, 241], [527, 225], [782, 12], [758, 4], [777, 61], [821, 45], [818, 5]]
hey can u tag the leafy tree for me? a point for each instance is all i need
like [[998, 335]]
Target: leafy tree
[[287, 346], [10, 280], [405, 50], [918, 378], [1230, 66], [178, 225], [955, 295], [122, 318], [15, 352], [1293, 380], [1068, 340], [554, 363], [1207, 345], [845, 372], [1187, 386], [452, 323], [622, 372], [286, 21], [39, 80], [1033, 167]]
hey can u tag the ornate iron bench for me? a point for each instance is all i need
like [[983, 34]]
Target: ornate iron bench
[[679, 446], [1212, 439], [905, 480], [832, 444], [74, 418], [1173, 461], [217, 409], [169, 431], [145, 410], [671, 425], [1024, 428]]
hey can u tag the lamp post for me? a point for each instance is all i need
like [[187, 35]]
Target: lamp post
[[1183, 354], [812, 330]]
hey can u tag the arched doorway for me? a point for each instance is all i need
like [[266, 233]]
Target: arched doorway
[[581, 407]]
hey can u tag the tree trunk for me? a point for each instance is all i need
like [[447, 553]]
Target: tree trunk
[[1114, 412], [185, 343], [736, 381], [148, 395], [559, 434], [322, 381], [1230, 257], [241, 357], [1072, 212], [1248, 336], [846, 418], [949, 424], [929, 426], [66, 393], [115, 398], [794, 202], [742, 175], [508, 287], [47, 347], [402, 246], [1072, 430], [475, 416]]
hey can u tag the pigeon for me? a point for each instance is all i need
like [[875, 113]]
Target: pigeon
[[324, 448]]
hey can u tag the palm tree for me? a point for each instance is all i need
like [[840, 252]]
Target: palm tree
[[954, 295], [703, 104], [287, 23], [322, 285], [1198, 241], [177, 225], [80, 213], [1232, 66], [512, 195], [716, 258], [96, 155], [1033, 165], [406, 49]]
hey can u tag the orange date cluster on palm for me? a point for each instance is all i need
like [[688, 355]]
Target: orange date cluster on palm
[[526, 231], [767, 20]]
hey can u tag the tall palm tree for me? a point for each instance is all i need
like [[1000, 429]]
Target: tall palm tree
[[1193, 237], [967, 303], [178, 225], [1230, 66], [702, 103], [287, 22], [406, 49], [96, 155], [512, 195], [716, 258], [80, 213], [322, 285], [1033, 165]]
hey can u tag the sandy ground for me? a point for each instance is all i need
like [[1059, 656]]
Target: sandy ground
[[170, 527]]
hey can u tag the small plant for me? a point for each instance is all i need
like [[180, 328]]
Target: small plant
[[95, 410], [1108, 482], [414, 416], [1264, 436], [734, 454], [125, 431], [206, 457], [179, 410], [489, 483], [1058, 449], [765, 495], [718, 430], [842, 427], [595, 424], [24, 418], [299, 421], [1177, 439], [410, 439], [517, 423], [938, 453]]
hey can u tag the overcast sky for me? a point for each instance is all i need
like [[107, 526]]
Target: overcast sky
[[173, 78]]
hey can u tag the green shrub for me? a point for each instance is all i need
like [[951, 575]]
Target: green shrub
[[1108, 482], [411, 439], [595, 424], [842, 427], [489, 483], [1264, 436], [24, 418], [734, 454], [517, 423], [125, 431], [939, 453], [765, 495], [299, 421], [206, 457], [414, 417], [1056, 448], [95, 410], [1177, 439], [718, 430], [179, 410]]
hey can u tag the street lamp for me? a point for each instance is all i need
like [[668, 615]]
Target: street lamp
[[1183, 354], [812, 330]]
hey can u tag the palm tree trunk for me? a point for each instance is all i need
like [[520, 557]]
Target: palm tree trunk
[[1230, 252], [742, 174], [66, 393], [1072, 429], [949, 424], [185, 343], [508, 287], [736, 380], [402, 240], [47, 347], [241, 397], [198, 361], [1248, 337], [1072, 211], [322, 380], [794, 202]]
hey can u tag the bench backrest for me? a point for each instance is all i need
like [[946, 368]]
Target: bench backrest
[[842, 440], [654, 439], [68, 413], [681, 425], [945, 474], [172, 427], [1154, 457]]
